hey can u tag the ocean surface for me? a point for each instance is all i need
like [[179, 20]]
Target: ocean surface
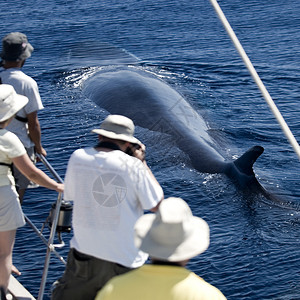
[[254, 251]]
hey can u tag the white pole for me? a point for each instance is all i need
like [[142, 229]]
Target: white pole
[[256, 78]]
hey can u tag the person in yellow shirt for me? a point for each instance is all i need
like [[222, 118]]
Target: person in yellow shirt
[[171, 237]]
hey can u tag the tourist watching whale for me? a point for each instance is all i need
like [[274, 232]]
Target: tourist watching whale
[[172, 236], [13, 152], [111, 186], [15, 50]]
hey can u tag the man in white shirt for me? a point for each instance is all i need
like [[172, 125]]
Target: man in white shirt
[[111, 186], [15, 50]]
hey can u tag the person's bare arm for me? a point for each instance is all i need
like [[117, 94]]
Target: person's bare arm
[[35, 132], [140, 154], [27, 168], [155, 209]]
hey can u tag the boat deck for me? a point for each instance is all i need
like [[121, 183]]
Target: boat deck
[[17, 291]]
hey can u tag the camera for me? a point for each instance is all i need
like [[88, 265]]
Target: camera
[[129, 149]]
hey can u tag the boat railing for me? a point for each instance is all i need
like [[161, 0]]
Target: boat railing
[[55, 212]]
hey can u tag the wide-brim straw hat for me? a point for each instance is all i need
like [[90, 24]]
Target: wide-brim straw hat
[[118, 127], [10, 102], [15, 47], [172, 233]]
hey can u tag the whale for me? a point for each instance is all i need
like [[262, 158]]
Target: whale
[[153, 104]]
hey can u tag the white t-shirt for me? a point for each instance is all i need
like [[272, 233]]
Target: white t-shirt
[[110, 191], [27, 86], [10, 147]]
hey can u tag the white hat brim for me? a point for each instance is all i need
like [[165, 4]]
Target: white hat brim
[[115, 136], [20, 102], [195, 244]]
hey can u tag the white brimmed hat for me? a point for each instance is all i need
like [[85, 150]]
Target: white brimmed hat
[[172, 233], [118, 127], [10, 102]]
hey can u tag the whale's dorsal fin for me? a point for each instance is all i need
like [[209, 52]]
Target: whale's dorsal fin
[[241, 171], [246, 161]]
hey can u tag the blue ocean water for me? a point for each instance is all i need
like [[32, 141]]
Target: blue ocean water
[[254, 251]]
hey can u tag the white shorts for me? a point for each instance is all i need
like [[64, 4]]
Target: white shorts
[[11, 214]]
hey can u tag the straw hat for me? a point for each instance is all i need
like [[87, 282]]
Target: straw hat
[[10, 102], [118, 127], [15, 47], [173, 233]]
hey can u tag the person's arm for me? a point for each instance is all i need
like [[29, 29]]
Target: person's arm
[[155, 209], [27, 168], [35, 132], [140, 154]]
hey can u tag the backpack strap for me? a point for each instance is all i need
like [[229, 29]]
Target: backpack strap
[[10, 166], [5, 164], [21, 119]]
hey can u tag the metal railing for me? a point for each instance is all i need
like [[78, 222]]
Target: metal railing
[[49, 242]]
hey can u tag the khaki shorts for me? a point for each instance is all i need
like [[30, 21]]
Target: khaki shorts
[[84, 276], [11, 215], [22, 182]]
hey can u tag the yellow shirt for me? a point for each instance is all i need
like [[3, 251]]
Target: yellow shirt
[[159, 282], [10, 147]]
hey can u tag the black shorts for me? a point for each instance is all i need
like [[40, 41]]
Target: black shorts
[[84, 276]]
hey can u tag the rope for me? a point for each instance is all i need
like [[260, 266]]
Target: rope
[[257, 79]]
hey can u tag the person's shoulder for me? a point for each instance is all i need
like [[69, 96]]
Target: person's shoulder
[[14, 71], [17, 74], [10, 138], [8, 135], [78, 151], [126, 158], [123, 280], [83, 151], [206, 288], [27, 79]]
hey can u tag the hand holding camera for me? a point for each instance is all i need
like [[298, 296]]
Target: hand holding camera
[[137, 150]]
